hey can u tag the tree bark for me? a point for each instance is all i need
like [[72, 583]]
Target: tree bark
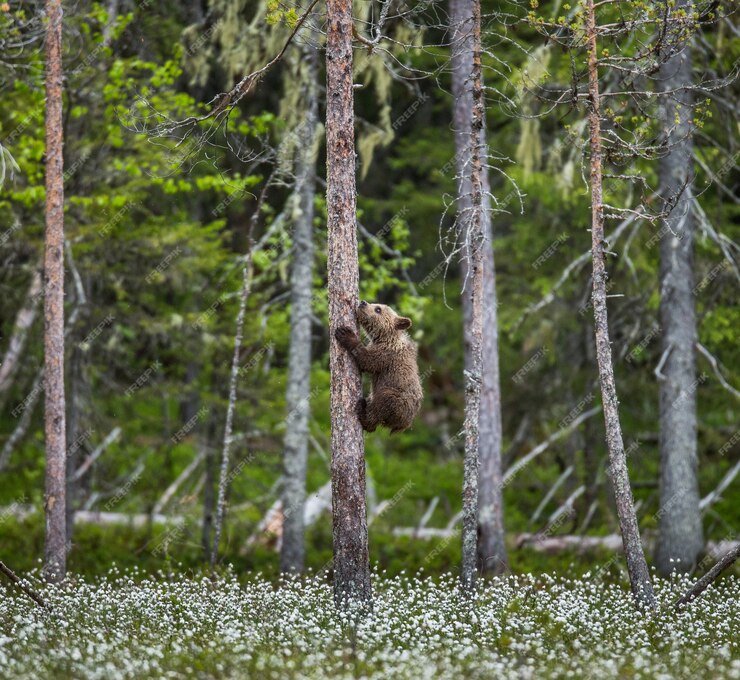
[[23, 322], [680, 537], [54, 417], [642, 588], [295, 456], [349, 513], [491, 547], [472, 229]]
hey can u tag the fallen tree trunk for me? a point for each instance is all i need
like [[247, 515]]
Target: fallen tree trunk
[[19, 583], [135, 520], [705, 581], [543, 543]]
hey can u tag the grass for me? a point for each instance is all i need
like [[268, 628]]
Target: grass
[[131, 625]]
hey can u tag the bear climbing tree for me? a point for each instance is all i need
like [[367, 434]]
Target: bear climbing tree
[[351, 557]]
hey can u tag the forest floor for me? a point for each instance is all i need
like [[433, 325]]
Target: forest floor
[[127, 625]]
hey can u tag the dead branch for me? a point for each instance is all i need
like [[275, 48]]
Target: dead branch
[[87, 464], [715, 367], [710, 577], [172, 488], [712, 497], [22, 586]]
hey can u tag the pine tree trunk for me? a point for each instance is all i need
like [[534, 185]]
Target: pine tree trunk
[[639, 575], [292, 552], [491, 547], [349, 513], [54, 417], [680, 538], [472, 226]]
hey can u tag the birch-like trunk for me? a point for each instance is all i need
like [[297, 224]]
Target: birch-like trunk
[[680, 537], [23, 322], [223, 482], [349, 512], [491, 547], [295, 456], [475, 240], [642, 588], [55, 562]]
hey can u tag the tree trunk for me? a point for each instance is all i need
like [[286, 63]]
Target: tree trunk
[[54, 421], [472, 230], [223, 481], [349, 514], [209, 488], [74, 439], [491, 548], [680, 538], [639, 575], [292, 553], [23, 322]]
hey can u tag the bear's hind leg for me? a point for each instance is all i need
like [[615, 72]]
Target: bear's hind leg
[[366, 414]]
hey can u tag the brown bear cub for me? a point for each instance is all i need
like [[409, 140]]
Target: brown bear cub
[[390, 359]]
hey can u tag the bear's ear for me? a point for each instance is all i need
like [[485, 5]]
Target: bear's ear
[[403, 323]]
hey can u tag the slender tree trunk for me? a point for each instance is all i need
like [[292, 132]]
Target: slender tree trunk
[[491, 547], [223, 482], [23, 322], [639, 575], [209, 487], [55, 562], [680, 537], [74, 445], [472, 226], [349, 512], [292, 552], [224, 477]]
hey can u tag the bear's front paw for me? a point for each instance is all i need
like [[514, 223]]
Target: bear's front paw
[[346, 336]]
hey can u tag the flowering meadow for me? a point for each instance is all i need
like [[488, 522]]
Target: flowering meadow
[[126, 625]]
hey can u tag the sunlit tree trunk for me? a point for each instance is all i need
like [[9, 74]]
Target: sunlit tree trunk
[[54, 417], [680, 537], [295, 456], [491, 548], [639, 575], [349, 513]]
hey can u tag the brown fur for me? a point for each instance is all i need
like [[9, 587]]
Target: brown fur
[[390, 359]]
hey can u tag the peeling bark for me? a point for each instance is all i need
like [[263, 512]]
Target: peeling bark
[[642, 588], [349, 512]]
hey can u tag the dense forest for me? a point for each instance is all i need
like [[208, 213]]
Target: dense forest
[[194, 199]]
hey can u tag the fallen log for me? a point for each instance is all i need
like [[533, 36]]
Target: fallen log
[[705, 581], [541, 542]]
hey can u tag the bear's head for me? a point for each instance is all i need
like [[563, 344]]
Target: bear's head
[[380, 321]]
